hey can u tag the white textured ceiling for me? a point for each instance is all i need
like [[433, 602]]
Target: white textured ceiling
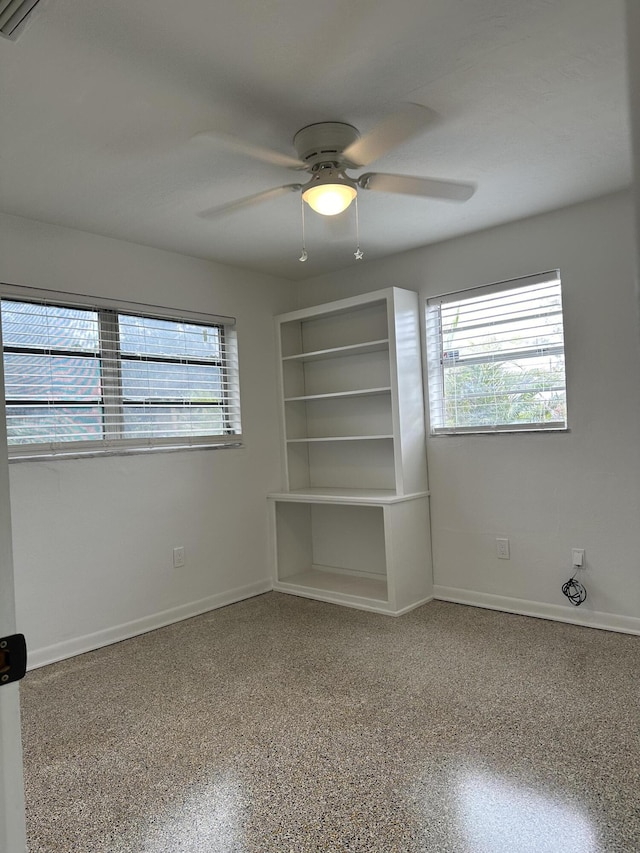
[[100, 101]]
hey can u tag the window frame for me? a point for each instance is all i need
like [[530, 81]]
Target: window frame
[[112, 401], [436, 357]]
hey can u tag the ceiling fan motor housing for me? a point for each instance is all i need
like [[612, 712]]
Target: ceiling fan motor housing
[[328, 173], [324, 142]]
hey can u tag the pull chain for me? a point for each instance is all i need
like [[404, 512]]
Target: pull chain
[[358, 254], [303, 257]]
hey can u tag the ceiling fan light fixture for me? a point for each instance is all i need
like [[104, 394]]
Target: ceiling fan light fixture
[[329, 199], [329, 191]]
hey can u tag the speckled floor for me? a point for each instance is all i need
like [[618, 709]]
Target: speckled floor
[[281, 724]]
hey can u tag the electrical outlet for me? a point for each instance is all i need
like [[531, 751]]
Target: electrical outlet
[[502, 549], [178, 557], [577, 558]]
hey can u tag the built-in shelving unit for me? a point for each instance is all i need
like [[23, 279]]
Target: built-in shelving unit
[[352, 523]]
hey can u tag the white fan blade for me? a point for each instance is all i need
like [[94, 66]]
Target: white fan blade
[[393, 131], [258, 152], [408, 185], [249, 201]]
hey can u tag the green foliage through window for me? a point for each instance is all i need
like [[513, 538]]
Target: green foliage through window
[[496, 358]]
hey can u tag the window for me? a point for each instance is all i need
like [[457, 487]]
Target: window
[[496, 357], [91, 379]]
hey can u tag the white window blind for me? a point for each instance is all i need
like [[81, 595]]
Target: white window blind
[[94, 379], [496, 357]]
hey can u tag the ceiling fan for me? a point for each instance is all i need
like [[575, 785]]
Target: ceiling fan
[[328, 149]]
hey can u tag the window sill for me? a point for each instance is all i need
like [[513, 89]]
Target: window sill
[[60, 456], [456, 433]]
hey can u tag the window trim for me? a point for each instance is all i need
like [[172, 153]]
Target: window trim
[[111, 400], [435, 362]]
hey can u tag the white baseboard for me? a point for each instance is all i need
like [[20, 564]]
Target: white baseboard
[[411, 607], [89, 642], [556, 612]]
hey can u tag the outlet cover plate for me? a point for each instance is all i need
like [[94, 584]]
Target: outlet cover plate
[[502, 549], [577, 558]]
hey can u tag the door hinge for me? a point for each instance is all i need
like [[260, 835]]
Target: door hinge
[[13, 658]]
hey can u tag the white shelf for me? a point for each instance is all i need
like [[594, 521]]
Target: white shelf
[[320, 580], [335, 352], [363, 392], [377, 497], [338, 438]]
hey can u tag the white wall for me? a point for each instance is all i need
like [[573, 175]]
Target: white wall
[[633, 72], [547, 493], [93, 538]]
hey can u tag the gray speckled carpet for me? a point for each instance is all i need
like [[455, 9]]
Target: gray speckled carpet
[[281, 724]]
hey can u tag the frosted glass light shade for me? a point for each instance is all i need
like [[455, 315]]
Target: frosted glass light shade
[[329, 199]]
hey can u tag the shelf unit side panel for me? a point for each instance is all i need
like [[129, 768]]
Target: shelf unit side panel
[[298, 469], [290, 337], [280, 379], [293, 379], [293, 538], [408, 541], [272, 555], [295, 418], [408, 410]]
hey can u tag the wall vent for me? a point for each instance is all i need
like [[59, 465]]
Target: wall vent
[[14, 15]]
